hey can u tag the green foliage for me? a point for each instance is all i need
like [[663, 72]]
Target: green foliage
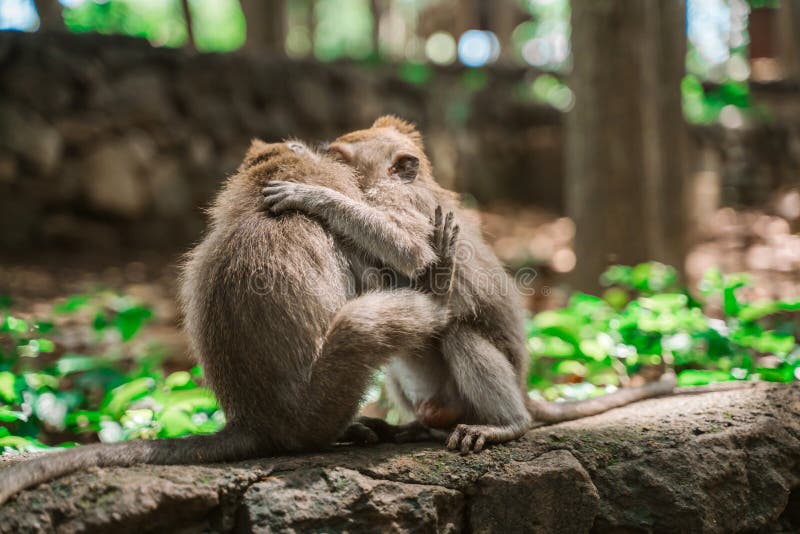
[[218, 25], [645, 323], [116, 390]]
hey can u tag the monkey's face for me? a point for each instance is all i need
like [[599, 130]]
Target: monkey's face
[[390, 150]]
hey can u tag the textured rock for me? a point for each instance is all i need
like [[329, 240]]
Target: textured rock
[[112, 178], [325, 500], [721, 461], [25, 132], [533, 495]]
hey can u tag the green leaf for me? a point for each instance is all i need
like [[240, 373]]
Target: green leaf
[[758, 310], [782, 373], [175, 423], [41, 381], [12, 324], [7, 390], [118, 399], [562, 324], [44, 326], [76, 363], [769, 342], [701, 377], [7, 415], [100, 322], [130, 320], [71, 304], [179, 380], [23, 444]]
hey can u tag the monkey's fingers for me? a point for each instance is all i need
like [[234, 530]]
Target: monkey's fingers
[[277, 184], [437, 216], [450, 248], [448, 229], [437, 228], [273, 201]]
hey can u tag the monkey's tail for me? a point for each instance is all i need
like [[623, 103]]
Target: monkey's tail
[[226, 445], [557, 412]]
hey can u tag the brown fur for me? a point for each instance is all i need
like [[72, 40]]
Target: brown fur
[[265, 300], [475, 379]]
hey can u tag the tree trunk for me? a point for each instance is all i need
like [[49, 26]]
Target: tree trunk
[[626, 135], [376, 12], [788, 38], [50, 18], [187, 16], [266, 25]]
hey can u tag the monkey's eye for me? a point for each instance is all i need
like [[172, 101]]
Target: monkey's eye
[[297, 148], [405, 167]]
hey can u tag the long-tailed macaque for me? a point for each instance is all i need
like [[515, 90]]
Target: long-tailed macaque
[[475, 385], [268, 311]]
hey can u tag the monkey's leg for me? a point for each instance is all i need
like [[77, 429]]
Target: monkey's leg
[[487, 383], [365, 333]]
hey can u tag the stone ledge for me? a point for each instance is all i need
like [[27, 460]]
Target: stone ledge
[[722, 461]]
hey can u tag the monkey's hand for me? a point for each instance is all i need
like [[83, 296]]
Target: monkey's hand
[[438, 277], [278, 197]]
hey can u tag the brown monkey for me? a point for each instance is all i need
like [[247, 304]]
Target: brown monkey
[[266, 308], [477, 381]]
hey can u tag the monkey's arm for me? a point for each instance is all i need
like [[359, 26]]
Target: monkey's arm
[[398, 238]]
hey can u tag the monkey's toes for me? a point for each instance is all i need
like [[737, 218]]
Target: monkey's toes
[[360, 434], [466, 439]]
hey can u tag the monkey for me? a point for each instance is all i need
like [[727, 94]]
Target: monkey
[[478, 388], [269, 310]]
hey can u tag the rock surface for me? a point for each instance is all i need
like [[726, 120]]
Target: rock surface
[[720, 461]]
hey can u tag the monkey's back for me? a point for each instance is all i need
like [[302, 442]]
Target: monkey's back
[[258, 294]]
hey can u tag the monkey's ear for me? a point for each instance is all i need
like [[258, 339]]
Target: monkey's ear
[[405, 167], [341, 151]]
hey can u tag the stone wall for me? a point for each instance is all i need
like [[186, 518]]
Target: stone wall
[[108, 143]]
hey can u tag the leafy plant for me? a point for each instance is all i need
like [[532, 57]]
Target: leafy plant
[[114, 391], [645, 322]]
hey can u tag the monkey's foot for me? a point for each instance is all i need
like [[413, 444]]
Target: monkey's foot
[[416, 432], [466, 438], [360, 434], [379, 431]]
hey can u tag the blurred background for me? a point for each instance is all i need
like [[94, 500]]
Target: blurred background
[[660, 136]]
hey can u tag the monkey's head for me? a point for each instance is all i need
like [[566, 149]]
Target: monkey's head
[[391, 149], [294, 161]]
